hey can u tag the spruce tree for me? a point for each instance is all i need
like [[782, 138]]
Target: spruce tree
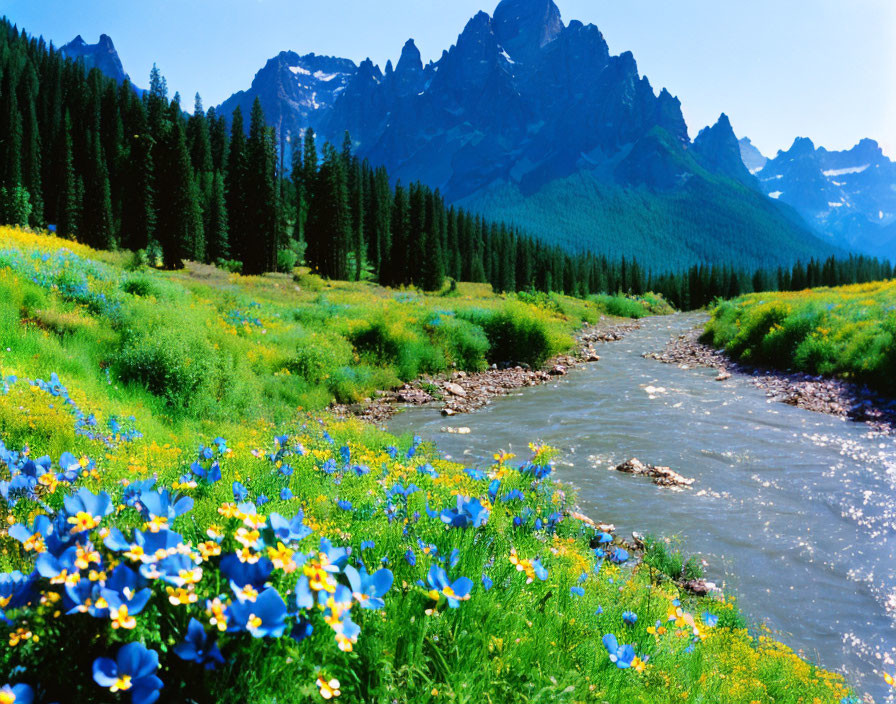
[[236, 187]]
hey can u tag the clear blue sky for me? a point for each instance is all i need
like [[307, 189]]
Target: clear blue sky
[[824, 69]]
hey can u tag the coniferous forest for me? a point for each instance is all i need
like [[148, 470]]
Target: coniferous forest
[[115, 167]]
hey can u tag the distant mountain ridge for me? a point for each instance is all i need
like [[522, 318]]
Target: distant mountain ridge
[[523, 102], [849, 195]]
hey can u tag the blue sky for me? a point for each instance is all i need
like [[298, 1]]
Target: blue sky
[[824, 69]]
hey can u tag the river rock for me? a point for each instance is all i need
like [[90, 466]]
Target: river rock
[[661, 476], [557, 370], [723, 376], [455, 389]]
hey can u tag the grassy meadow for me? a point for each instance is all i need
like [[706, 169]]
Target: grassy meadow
[[179, 506], [848, 332]]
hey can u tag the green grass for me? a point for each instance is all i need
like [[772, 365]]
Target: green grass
[[200, 366], [848, 332]]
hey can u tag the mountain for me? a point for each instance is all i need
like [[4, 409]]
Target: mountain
[[524, 102], [101, 55], [753, 159], [295, 91], [849, 196]]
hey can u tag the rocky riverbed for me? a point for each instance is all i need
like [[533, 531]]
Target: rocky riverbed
[[815, 393], [463, 392]]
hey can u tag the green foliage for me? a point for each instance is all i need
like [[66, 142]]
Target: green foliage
[[632, 306], [516, 336], [665, 556], [848, 332]]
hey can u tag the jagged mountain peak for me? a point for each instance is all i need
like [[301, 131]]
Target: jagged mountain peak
[[525, 26], [101, 55], [753, 159], [718, 150], [410, 59]]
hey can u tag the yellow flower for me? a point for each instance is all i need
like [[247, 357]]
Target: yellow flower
[[328, 688]]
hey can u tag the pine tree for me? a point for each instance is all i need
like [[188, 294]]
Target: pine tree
[[260, 254], [236, 187], [216, 234], [96, 220], [68, 206]]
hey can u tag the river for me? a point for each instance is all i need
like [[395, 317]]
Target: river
[[794, 512]]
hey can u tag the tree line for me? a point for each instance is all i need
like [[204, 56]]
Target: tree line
[[116, 167]]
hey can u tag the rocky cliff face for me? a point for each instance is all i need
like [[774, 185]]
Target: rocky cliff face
[[101, 55]]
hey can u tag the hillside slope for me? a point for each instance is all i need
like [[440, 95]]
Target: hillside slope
[[197, 535]]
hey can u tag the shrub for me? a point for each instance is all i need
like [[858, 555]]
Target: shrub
[[176, 366], [141, 285], [318, 355], [517, 335], [399, 344]]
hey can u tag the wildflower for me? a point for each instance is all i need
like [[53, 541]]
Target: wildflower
[[710, 619], [454, 592], [368, 589], [240, 493], [289, 531], [657, 629], [85, 510], [577, 591], [264, 617], [328, 688], [16, 694], [286, 494], [33, 539], [629, 618], [132, 670], [621, 655], [198, 648], [467, 512]]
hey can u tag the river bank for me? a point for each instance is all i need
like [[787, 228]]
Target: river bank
[[793, 512], [834, 397], [464, 392]]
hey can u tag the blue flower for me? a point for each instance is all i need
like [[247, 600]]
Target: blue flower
[[161, 507], [513, 495], [618, 555], [240, 493], [286, 494], [710, 619], [198, 648], [475, 474], [85, 510], [16, 694], [410, 557], [622, 655], [344, 505], [133, 670], [629, 618], [468, 512], [577, 591], [263, 618], [289, 531], [367, 545], [428, 470], [487, 583], [440, 585], [369, 589]]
